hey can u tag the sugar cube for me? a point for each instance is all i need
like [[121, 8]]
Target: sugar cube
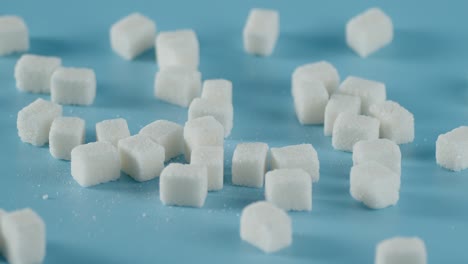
[[396, 123], [383, 151], [249, 164], [14, 36], [75, 86], [401, 250], [112, 130], [369, 31], [222, 112], [34, 121], [183, 185], [310, 100], [289, 189], [339, 103], [351, 128], [301, 156], [370, 92], [213, 159], [178, 48], [266, 226], [168, 134], [177, 85], [33, 72], [65, 134], [219, 90], [95, 163], [132, 35], [451, 149], [318, 71], [24, 233], [261, 31], [202, 131], [375, 185]]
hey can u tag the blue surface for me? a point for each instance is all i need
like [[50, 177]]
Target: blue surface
[[424, 70]]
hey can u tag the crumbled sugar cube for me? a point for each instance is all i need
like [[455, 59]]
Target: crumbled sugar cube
[[451, 149], [168, 134], [351, 128], [375, 185], [14, 36], [132, 35], [202, 131], [289, 189], [339, 103], [370, 92], [65, 134], [396, 123], [178, 48], [34, 121], [219, 90], [383, 151], [266, 226], [33, 72], [222, 112], [249, 164], [183, 185], [317, 71], [301, 156], [401, 250], [75, 86], [177, 85], [24, 233], [310, 100], [141, 158], [95, 163], [112, 130], [369, 31], [261, 31], [213, 159]]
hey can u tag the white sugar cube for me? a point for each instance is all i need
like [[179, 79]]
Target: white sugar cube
[[95, 163], [65, 134], [219, 90], [370, 92], [14, 36], [183, 185], [339, 103], [132, 35], [401, 250], [33, 73], [168, 134], [202, 131], [351, 128], [177, 85], [141, 158], [261, 31], [178, 48], [223, 112], [24, 233], [451, 149], [310, 100], [213, 159], [266, 226], [75, 86], [383, 151], [317, 71], [34, 121], [375, 185], [301, 156], [289, 189], [396, 123], [112, 130], [249, 164], [369, 31]]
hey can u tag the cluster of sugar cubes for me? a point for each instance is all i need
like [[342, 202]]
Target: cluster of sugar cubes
[[401, 250]]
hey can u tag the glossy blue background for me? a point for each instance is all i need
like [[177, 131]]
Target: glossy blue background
[[424, 69]]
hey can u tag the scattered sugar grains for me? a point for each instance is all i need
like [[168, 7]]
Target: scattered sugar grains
[[179, 48], [74, 86], [168, 134], [223, 112], [261, 31], [302, 156], [289, 189], [370, 92], [112, 130], [33, 72], [451, 149], [177, 85], [317, 71], [383, 151], [339, 103], [202, 131], [65, 134], [213, 159], [401, 250], [266, 226], [351, 128], [310, 100], [249, 164], [14, 36]]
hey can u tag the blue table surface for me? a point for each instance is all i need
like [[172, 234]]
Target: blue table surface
[[425, 70]]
